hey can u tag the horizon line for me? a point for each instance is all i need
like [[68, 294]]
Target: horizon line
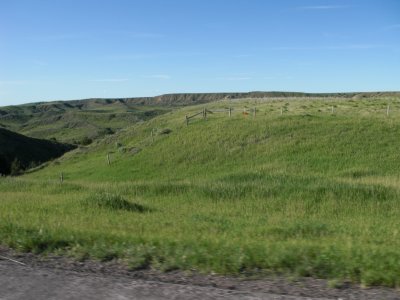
[[209, 93]]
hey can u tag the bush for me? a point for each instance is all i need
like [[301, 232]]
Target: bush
[[86, 141], [16, 167], [166, 131]]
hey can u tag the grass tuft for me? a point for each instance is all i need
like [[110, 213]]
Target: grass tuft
[[113, 202]]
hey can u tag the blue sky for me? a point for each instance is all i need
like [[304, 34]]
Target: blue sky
[[72, 49]]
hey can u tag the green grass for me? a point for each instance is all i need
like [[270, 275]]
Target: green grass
[[73, 121], [306, 193]]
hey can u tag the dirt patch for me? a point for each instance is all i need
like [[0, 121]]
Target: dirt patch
[[278, 285]]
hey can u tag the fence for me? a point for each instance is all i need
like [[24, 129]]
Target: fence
[[387, 110], [229, 111], [253, 111]]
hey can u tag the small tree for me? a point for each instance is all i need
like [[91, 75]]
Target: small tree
[[16, 167]]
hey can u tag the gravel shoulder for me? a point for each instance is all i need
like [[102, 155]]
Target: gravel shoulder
[[55, 277]]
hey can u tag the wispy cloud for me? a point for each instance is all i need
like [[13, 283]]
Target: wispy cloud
[[146, 35], [110, 80], [391, 27], [241, 55], [13, 82], [157, 76], [135, 34], [335, 35], [219, 24], [39, 63], [333, 47], [141, 56], [129, 56], [234, 78], [57, 37], [322, 7], [83, 35], [361, 46], [277, 76]]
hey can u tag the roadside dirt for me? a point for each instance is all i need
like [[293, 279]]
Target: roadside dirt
[[54, 277]]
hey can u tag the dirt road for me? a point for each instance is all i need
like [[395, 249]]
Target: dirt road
[[21, 282], [61, 279]]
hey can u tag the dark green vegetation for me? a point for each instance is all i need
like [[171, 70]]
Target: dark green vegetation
[[307, 188], [76, 122], [18, 152]]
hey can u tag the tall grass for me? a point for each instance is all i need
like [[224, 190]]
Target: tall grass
[[309, 195]]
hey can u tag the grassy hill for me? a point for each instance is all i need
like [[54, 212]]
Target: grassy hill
[[26, 152], [89, 119], [306, 187], [176, 149], [74, 121]]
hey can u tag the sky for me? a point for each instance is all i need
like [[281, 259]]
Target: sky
[[74, 49]]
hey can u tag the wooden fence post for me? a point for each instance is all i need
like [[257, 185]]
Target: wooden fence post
[[281, 110], [108, 159], [332, 109], [387, 110], [230, 112], [187, 120], [152, 135], [61, 177]]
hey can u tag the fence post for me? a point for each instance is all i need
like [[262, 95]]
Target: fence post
[[61, 177], [230, 112], [108, 159], [254, 112], [281, 110], [152, 135], [387, 110], [332, 109]]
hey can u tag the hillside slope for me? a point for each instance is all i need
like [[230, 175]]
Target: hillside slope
[[74, 121], [301, 187], [291, 134], [27, 151], [79, 121]]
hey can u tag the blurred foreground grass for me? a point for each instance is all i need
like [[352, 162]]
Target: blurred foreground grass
[[307, 194]]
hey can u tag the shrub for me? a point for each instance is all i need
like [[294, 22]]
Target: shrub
[[16, 167], [86, 141], [166, 131], [113, 202]]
